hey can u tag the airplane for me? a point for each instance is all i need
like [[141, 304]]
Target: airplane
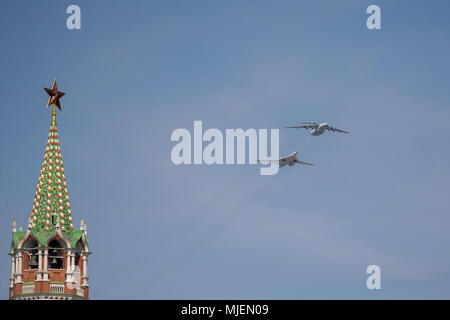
[[317, 128], [290, 160]]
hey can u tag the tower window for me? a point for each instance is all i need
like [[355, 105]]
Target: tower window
[[32, 251], [34, 262], [55, 255]]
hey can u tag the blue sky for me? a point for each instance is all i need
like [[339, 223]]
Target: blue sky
[[138, 70]]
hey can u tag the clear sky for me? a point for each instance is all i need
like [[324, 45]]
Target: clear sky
[[137, 70]]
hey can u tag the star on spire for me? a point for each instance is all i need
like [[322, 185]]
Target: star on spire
[[53, 99], [54, 95]]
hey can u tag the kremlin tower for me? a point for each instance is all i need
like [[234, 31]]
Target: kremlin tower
[[49, 258]]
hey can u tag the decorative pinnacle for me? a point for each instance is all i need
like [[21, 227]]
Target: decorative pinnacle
[[53, 99], [83, 226], [30, 224], [14, 225]]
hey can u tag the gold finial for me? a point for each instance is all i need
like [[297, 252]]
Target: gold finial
[[53, 99], [54, 116]]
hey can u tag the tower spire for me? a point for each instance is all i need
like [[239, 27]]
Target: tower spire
[[37, 262], [51, 204]]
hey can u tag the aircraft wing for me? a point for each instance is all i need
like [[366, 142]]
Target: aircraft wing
[[305, 163], [302, 126], [338, 130]]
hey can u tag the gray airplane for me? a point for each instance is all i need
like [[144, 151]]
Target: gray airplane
[[290, 160], [317, 128]]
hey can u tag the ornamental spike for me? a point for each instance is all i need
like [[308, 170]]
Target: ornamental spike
[[83, 226], [14, 225]]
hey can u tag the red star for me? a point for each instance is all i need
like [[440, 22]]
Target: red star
[[54, 95]]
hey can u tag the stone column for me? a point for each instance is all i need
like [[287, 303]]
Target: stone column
[[45, 269], [69, 283], [19, 271], [18, 281], [74, 279], [13, 271], [68, 265], [39, 272], [44, 284], [85, 277], [73, 262]]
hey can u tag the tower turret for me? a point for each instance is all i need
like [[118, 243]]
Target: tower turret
[[49, 259]]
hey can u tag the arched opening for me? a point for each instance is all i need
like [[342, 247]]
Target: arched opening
[[31, 250], [55, 255]]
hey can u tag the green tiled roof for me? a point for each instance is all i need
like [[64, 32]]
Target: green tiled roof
[[43, 236], [17, 236]]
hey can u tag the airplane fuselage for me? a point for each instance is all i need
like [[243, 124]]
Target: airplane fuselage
[[289, 160], [321, 128]]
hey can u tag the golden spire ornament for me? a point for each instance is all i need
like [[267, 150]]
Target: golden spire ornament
[[53, 99]]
